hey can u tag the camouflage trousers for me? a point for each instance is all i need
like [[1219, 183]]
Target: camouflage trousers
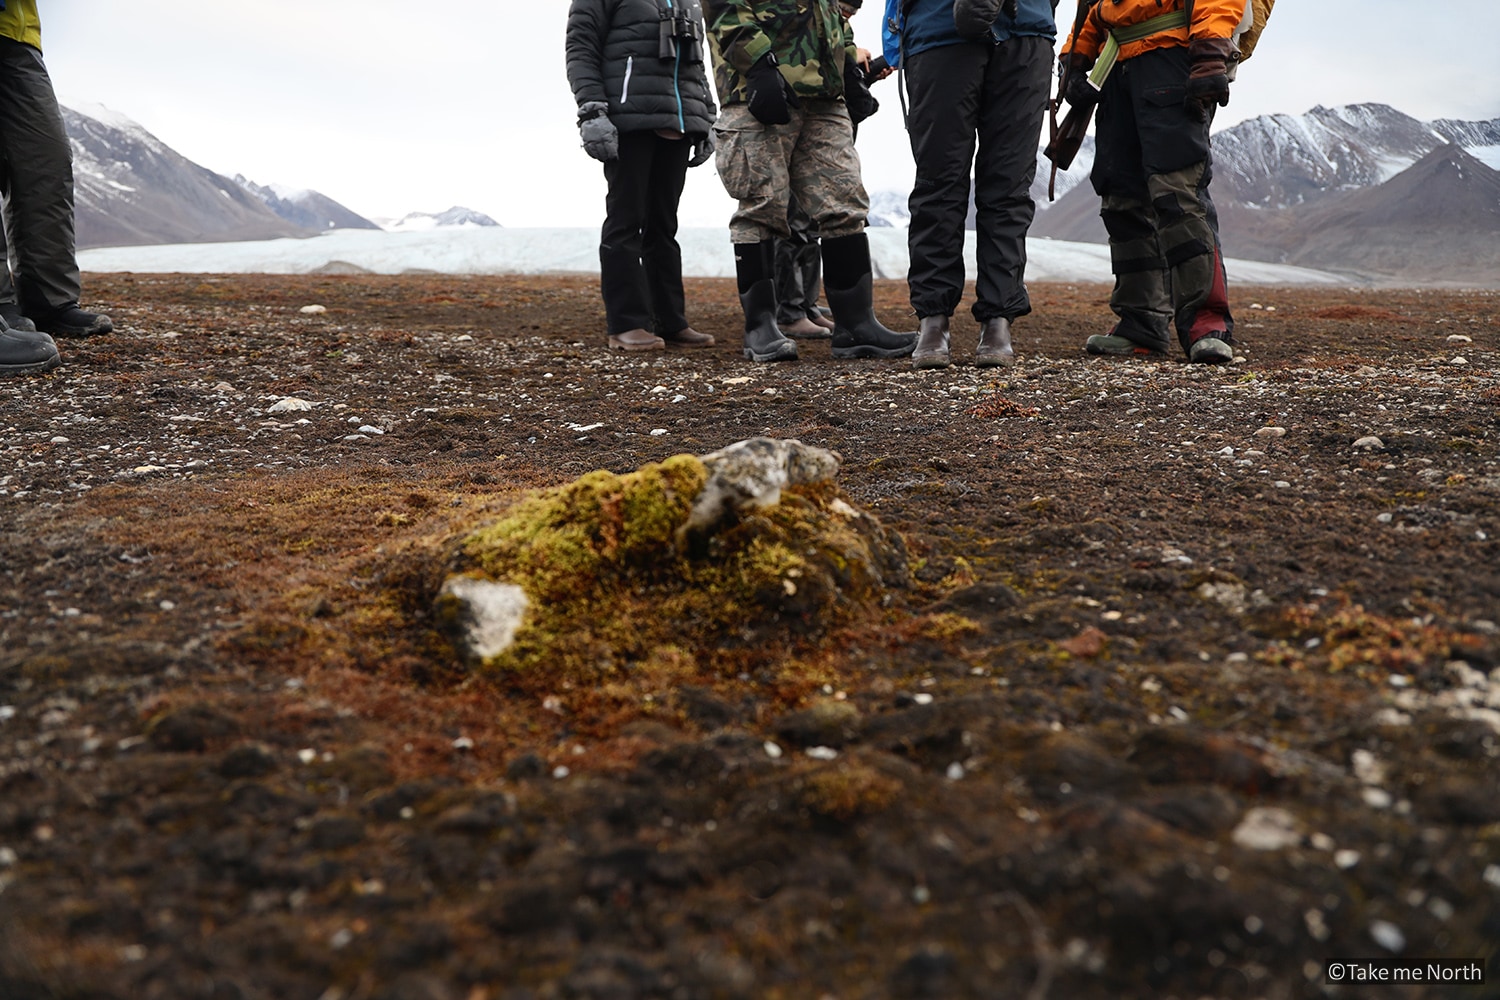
[[811, 158]]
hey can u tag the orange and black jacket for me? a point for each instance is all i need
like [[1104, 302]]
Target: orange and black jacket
[[1212, 19]]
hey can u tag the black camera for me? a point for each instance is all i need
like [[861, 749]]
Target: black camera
[[677, 28]]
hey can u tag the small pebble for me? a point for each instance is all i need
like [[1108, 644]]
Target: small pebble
[[1369, 441], [313, 310], [773, 750], [1271, 432], [658, 432], [822, 753], [1388, 936], [1345, 859]]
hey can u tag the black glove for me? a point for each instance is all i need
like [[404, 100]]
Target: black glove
[[1208, 79], [601, 139], [975, 18], [771, 97], [1079, 92], [857, 97], [703, 149]]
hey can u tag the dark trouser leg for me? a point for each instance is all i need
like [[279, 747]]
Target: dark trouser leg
[[1014, 99], [622, 276], [38, 174], [791, 256], [946, 87], [1142, 297], [1189, 236], [660, 254], [1177, 165]]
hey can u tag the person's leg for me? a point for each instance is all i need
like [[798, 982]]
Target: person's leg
[[825, 177], [753, 163], [39, 210], [1140, 298], [660, 254], [795, 306], [1178, 164], [1013, 102], [945, 87], [622, 276]]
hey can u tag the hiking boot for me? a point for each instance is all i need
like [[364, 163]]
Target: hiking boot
[[755, 269], [73, 322], [688, 337], [849, 285], [805, 329], [1114, 345], [26, 352], [1210, 351], [636, 340], [13, 317], [932, 343], [994, 345], [820, 316]]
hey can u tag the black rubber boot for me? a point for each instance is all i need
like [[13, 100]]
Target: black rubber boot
[[26, 352], [848, 283], [755, 267]]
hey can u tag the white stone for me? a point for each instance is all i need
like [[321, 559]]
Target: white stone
[[1345, 859], [1388, 936], [1271, 432], [773, 750], [313, 310], [753, 473], [289, 404], [822, 753], [1267, 828], [493, 612], [1369, 441]]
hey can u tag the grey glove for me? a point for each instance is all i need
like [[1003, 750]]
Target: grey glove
[[703, 150], [601, 139]]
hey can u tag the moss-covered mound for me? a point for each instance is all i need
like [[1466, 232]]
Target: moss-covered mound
[[658, 567]]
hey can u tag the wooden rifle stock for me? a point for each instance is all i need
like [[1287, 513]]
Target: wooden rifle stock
[[1069, 138]]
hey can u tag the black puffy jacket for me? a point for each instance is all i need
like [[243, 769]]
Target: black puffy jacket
[[615, 54]]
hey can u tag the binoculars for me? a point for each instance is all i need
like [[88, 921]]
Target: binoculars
[[677, 28]]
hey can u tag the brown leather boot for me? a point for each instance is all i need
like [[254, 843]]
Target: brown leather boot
[[994, 345], [688, 337], [636, 340], [825, 322], [805, 329], [932, 343]]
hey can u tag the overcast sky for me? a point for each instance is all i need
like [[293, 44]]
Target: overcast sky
[[392, 107]]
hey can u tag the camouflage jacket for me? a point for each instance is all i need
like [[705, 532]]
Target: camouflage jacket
[[811, 39]]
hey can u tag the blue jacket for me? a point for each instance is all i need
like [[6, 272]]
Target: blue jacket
[[928, 24]]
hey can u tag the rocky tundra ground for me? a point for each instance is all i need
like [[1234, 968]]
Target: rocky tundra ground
[[1187, 682]]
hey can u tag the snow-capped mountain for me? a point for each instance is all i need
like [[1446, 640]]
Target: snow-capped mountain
[[456, 217], [306, 208], [1278, 161], [131, 188]]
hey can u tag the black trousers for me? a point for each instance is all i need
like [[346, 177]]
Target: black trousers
[[640, 263], [1152, 168], [36, 182], [799, 269], [995, 96]]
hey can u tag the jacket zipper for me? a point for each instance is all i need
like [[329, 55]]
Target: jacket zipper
[[625, 88], [676, 84]]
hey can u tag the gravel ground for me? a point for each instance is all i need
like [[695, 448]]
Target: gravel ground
[[1195, 684]]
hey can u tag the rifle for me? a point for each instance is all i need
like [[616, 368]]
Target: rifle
[[1067, 137]]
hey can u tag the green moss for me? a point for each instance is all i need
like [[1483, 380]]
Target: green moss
[[615, 582]]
